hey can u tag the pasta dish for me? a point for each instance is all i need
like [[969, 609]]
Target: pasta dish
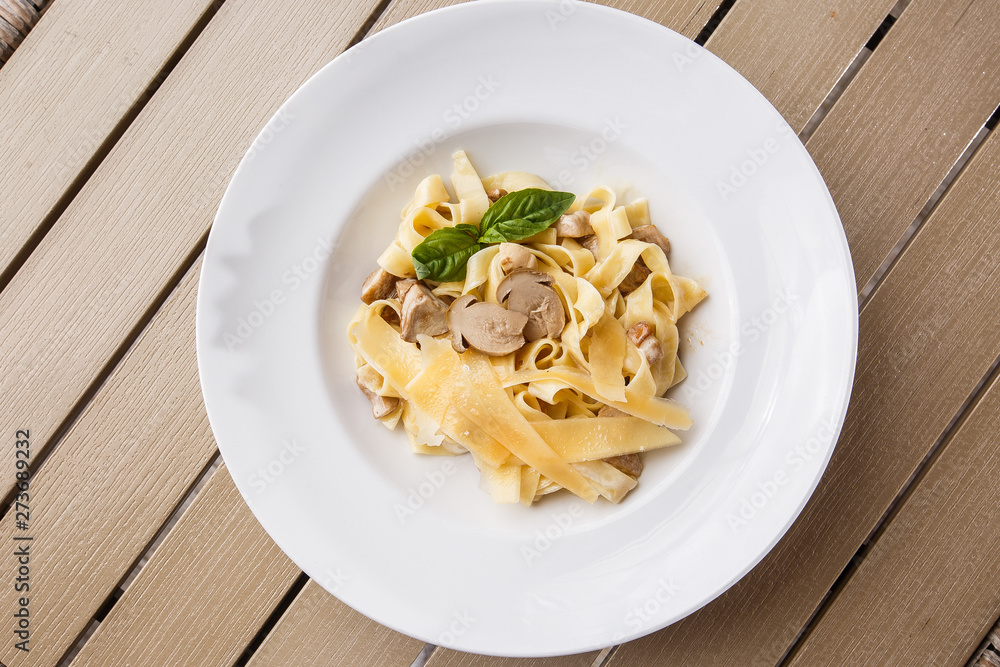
[[532, 329]]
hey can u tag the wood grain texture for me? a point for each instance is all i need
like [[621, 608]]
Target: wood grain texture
[[142, 212], [687, 17], [903, 122], [319, 629], [446, 658], [794, 52], [928, 591], [919, 359], [73, 81], [196, 602], [112, 482]]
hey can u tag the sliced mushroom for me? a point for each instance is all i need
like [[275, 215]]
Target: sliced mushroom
[[381, 405], [574, 225], [630, 464], [380, 284], [608, 411], [496, 194], [635, 278], [423, 313], [650, 234], [641, 333], [590, 243], [404, 284], [529, 292], [485, 326], [515, 256]]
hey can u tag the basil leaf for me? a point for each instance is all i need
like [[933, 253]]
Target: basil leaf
[[442, 256], [522, 214]]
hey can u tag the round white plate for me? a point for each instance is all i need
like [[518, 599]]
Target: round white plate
[[580, 94]]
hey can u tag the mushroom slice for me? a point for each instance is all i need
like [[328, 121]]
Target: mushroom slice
[[609, 411], [635, 278], [423, 313], [650, 234], [590, 243], [630, 464], [529, 292], [641, 333], [381, 405], [515, 256], [485, 327], [404, 284], [574, 225], [380, 284]]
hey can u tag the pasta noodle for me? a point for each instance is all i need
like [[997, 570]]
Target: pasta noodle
[[578, 397]]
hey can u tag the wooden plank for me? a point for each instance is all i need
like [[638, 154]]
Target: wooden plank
[[903, 122], [687, 17], [319, 629], [919, 359], [794, 52], [111, 483], [90, 281], [927, 592], [85, 66], [196, 602]]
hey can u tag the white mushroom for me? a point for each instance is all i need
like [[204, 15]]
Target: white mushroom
[[381, 405], [630, 464], [380, 284], [635, 278], [423, 313], [574, 225], [650, 234], [529, 292], [513, 256], [641, 333], [485, 327]]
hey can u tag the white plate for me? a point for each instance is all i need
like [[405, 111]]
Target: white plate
[[582, 95]]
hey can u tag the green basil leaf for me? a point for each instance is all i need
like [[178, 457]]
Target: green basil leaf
[[442, 256], [522, 214]]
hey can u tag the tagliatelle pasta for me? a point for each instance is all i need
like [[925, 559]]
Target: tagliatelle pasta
[[540, 339]]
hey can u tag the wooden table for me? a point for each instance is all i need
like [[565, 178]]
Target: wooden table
[[120, 126]]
